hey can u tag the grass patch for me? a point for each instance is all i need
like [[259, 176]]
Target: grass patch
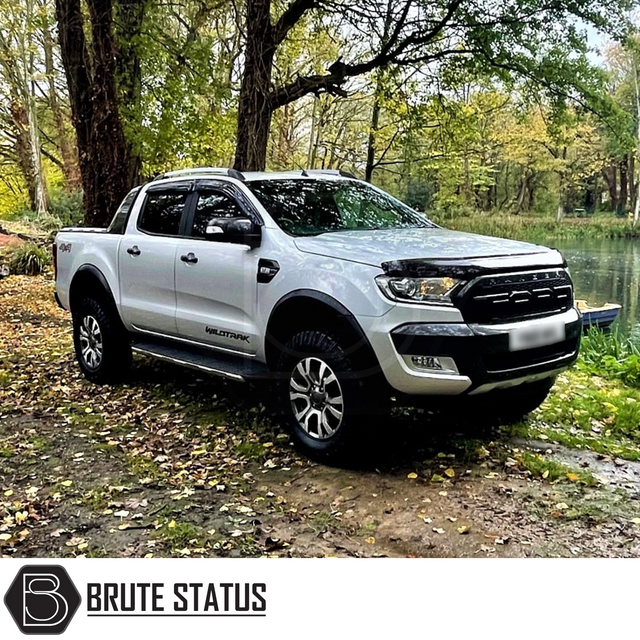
[[538, 228], [251, 450], [585, 411], [144, 467], [178, 535], [6, 451], [323, 521], [83, 416], [100, 499], [611, 356], [542, 467]]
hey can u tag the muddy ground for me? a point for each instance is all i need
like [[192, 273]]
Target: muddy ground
[[174, 464]]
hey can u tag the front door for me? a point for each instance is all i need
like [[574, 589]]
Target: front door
[[216, 282], [146, 260]]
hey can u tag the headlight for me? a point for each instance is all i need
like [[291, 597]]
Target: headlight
[[418, 289]]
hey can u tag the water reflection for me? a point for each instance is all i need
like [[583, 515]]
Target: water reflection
[[607, 270]]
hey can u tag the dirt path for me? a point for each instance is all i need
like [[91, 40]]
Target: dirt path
[[170, 464]]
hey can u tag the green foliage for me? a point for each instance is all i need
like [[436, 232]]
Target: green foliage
[[543, 467], [611, 355], [534, 228], [28, 259], [66, 206]]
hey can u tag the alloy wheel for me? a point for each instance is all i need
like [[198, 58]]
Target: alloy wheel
[[91, 347], [316, 398]]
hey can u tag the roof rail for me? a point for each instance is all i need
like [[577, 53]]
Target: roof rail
[[179, 173], [328, 172]]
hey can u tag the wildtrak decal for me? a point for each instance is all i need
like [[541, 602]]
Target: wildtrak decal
[[212, 331]]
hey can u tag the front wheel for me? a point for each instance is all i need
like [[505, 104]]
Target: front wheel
[[328, 405], [101, 343]]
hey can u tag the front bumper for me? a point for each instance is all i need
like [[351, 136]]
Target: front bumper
[[481, 354]]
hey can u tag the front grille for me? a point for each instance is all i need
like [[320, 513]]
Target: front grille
[[516, 296]]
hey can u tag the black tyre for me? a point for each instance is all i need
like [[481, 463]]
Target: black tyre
[[331, 409], [512, 405], [101, 342]]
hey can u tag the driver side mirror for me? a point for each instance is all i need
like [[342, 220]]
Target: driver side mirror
[[234, 230]]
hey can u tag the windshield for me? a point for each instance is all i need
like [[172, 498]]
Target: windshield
[[310, 207]]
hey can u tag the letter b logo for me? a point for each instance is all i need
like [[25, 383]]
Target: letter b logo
[[42, 599]]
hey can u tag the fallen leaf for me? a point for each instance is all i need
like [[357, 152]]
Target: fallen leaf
[[412, 476]]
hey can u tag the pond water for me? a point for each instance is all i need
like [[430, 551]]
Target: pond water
[[607, 270]]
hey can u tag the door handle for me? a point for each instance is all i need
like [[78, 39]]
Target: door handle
[[133, 251], [190, 258]]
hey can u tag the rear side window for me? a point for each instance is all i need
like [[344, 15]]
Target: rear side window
[[119, 222], [162, 212], [212, 204]]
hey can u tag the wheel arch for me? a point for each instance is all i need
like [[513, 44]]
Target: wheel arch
[[88, 278], [307, 309]]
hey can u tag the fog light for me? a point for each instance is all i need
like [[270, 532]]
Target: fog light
[[432, 364], [427, 362]]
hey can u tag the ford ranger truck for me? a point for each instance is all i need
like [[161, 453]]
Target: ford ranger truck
[[346, 299]]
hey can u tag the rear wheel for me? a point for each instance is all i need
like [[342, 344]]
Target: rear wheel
[[101, 342], [330, 408]]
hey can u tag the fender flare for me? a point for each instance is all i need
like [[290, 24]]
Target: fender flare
[[90, 269], [333, 304]]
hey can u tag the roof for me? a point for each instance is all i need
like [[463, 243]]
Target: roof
[[247, 176]]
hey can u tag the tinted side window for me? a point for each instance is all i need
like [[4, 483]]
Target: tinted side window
[[162, 212], [119, 222], [212, 204]]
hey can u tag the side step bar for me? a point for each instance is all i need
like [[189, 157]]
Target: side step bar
[[220, 364]]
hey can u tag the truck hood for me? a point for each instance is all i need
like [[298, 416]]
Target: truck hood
[[432, 244]]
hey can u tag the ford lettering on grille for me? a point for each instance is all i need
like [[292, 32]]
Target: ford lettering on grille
[[510, 297]]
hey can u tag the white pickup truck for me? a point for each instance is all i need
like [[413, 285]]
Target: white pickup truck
[[344, 297]]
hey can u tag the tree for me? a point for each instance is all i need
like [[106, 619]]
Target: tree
[[106, 160], [17, 67], [65, 143], [513, 38]]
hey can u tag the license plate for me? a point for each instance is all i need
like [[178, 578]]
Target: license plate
[[540, 336]]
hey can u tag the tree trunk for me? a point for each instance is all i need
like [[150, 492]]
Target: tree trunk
[[373, 130], [21, 125], [128, 26], [70, 169], [311, 154], [103, 153], [633, 186], [40, 198], [610, 178], [624, 182], [636, 205], [254, 108]]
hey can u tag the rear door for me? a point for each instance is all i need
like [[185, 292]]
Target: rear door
[[216, 282], [146, 259]]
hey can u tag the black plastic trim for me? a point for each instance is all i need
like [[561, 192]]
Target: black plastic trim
[[468, 268], [186, 187], [336, 306], [485, 357], [267, 270], [232, 191]]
